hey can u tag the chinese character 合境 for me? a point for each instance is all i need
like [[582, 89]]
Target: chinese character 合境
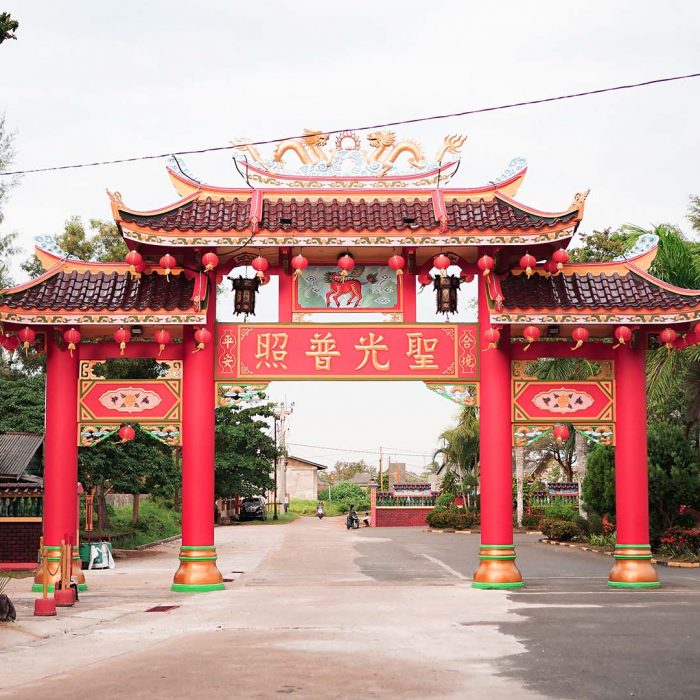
[[271, 350], [422, 350], [323, 350], [371, 347]]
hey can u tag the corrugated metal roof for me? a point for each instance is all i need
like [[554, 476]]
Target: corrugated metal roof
[[16, 452]]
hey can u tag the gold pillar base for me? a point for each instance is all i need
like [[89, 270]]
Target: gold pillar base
[[77, 570], [497, 568], [198, 571], [633, 567]]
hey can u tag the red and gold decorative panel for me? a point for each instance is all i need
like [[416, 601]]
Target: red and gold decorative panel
[[347, 351], [563, 401], [129, 400]]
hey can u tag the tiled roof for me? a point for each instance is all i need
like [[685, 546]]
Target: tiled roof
[[83, 291], [589, 291], [16, 452], [16, 487], [344, 215]]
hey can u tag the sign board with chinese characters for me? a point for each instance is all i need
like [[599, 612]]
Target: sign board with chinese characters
[[348, 351]]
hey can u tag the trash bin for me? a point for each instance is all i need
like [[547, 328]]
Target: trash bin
[[84, 552], [101, 556]]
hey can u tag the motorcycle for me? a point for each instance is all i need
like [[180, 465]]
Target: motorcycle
[[320, 512], [352, 521]]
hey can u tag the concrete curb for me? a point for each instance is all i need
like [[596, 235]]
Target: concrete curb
[[476, 532], [660, 562]]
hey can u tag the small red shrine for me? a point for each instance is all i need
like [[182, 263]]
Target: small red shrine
[[350, 231]]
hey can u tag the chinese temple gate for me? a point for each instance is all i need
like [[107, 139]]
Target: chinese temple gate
[[349, 232]]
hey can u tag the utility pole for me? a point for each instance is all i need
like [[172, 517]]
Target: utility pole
[[381, 465], [281, 411]]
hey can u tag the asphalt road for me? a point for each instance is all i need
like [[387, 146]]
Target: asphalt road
[[316, 611], [582, 639]]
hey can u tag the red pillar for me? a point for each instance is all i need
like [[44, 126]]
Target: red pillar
[[633, 567], [60, 456], [409, 297], [285, 294], [497, 567], [198, 570]]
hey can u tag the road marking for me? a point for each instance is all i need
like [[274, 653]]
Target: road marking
[[447, 568]]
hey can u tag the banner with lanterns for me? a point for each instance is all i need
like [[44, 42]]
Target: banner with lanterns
[[254, 352]]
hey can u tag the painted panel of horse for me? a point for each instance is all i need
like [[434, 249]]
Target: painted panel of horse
[[365, 288]]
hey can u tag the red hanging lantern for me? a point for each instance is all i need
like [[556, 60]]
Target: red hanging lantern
[[692, 338], [135, 259], [667, 336], [441, 262], [3, 340], [265, 279], [397, 262], [210, 261], [162, 337], [167, 262], [126, 433], [202, 336], [527, 262], [71, 337], [27, 336], [486, 264], [531, 334], [492, 336], [623, 335], [12, 343], [425, 278], [346, 263], [681, 342], [260, 264], [299, 263], [561, 433], [122, 336], [550, 267], [580, 334], [560, 257]]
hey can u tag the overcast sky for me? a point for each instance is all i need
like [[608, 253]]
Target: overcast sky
[[90, 81]]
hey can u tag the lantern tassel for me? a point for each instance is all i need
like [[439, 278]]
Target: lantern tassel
[[71, 347], [529, 343], [486, 272], [200, 346], [669, 346], [343, 273], [297, 274], [621, 342], [492, 346], [528, 271], [208, 268], [161, 347], [122, 347], [167, 274], [399, 272], [261, 275], [579, 343]]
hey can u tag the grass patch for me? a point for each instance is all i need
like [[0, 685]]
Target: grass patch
[[156, 522]]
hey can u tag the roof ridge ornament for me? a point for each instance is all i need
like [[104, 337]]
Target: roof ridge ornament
[[580, 199]]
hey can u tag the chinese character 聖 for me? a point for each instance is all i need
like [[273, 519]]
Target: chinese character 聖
[[422, 350]]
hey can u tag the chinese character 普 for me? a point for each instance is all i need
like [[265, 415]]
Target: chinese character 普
[[323, 350]]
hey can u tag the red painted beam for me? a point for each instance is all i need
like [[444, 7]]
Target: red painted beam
[[588, 351], [133, 350]]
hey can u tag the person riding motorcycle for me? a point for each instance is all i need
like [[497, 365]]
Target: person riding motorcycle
[[352, 521], [320, 512]]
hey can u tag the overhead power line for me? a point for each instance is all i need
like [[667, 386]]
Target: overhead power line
[[350, 449], [414, 120]]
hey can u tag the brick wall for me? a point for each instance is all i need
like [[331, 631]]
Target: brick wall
[[402, 517], [19, 542]]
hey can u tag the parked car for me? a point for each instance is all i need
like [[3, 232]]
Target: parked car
[[252, 508]]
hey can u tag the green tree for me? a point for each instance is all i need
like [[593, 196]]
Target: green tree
[[245, 451], [22, 403], [8, 26], [344, 471], [601, 246], [599, 486]]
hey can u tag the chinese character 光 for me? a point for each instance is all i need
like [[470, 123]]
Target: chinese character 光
[[422, 350], [323, 350], [371, 347], [271, 350]]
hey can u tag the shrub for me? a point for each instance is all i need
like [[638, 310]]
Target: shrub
[[595, 524], [678, 541], [561, 511], [581, 523], [531, 520], [445, 500], [442, 517], [562, 530]]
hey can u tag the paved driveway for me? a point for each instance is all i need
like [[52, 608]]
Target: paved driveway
[[316, 611]]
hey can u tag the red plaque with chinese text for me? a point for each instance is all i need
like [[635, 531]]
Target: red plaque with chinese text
[[347, 351]]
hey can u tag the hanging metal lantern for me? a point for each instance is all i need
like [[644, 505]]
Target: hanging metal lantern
[[486, 264], [167, 262], [27, 336], [527, 262], [623, 335], [260, 264], [667, 337], [492, 336], [580, 334], [446, 297], [244, 290], [126, 433], [531, 335], [299, 263], [162, 337], [561, 433], [210, 261], [346, 263], [71, 337], [397, 262], [122, 336]]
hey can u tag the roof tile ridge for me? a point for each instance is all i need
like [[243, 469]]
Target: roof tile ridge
[[647, 276], [46, 275], [118, 206], [537, 212]]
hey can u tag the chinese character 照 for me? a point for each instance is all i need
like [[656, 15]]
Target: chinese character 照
[[272, 350]]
